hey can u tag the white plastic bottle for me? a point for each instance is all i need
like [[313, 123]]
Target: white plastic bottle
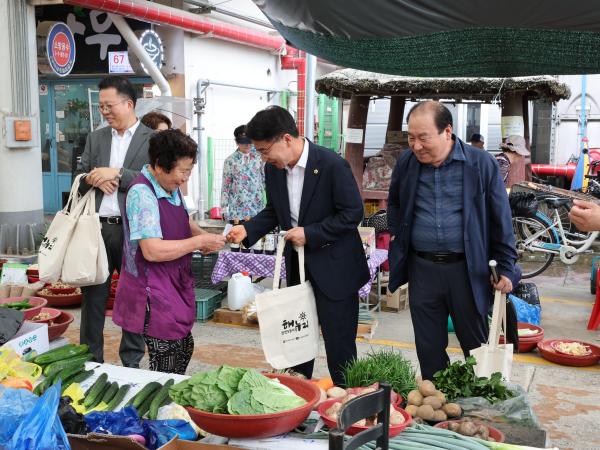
[[239, 291]]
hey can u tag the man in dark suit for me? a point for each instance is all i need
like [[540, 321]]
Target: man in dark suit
[[112, 158], [448, 213], [312, 194]]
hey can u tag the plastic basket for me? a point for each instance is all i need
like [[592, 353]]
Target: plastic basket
[[207, 300], [202, 268]]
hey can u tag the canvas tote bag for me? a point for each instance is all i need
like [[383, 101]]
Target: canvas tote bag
[[493, 357], [289, 326], [85, 260], [54, 245]]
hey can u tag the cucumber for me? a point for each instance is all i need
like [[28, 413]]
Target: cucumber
[[143, 409], [94, 391], [67, 373], [159, 398], [67, 351], [64, 363], [118, 398], [98, 399], [145, 393], [77, 378], [110, 393]]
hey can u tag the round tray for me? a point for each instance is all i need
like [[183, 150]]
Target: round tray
[[524, 325], [63, 300], [53, 313], [556, 342], [261, 425], [355, 429], [547, 352], [37, 304], [495, 433]]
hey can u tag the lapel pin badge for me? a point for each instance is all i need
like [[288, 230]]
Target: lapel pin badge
[[316, 171]]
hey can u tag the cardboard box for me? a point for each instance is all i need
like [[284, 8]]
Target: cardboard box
[[367, 235], [96, 441], [30, 337]]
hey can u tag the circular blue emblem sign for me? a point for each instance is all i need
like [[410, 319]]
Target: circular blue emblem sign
[[60, 46]]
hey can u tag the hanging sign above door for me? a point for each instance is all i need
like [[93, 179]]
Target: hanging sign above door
[[59, 49]]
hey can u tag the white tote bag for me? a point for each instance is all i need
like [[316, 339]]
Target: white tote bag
[[289, 325], [85, 260], [493, 357], [54, 246]]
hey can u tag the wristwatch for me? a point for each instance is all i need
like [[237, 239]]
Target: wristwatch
[[120, 175]]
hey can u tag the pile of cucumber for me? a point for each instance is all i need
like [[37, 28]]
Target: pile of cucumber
[[103, 391], [65, 363], [151, 398]]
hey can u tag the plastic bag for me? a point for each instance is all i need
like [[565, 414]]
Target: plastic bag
[[515, 410], [72, 421], [16, 404], [528, 292], [11, 365], [159, 432], [10, 322], [523, 204], [41, 429], [122, 423], [175, 411], [525, 312]]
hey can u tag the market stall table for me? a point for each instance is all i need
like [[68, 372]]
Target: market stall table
[[260, 265]]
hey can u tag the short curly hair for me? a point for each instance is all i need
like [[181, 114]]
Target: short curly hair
[[167, 147], [153, 119]]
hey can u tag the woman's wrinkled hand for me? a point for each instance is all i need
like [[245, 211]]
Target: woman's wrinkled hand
[[209, 242]]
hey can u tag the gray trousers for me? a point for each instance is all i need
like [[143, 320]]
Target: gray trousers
[[132, 347]]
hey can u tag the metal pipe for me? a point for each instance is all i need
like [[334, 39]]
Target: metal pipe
[[309, 105], [225, 12], [139, 51], [200, 103], [207, 82]]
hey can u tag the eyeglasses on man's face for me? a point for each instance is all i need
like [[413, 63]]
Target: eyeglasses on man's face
[[264, 151], [107, 107]]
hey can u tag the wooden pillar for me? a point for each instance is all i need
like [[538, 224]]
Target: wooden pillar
[[355, 135], [395, 119]]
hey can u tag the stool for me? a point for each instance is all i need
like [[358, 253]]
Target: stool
[[594, 321]]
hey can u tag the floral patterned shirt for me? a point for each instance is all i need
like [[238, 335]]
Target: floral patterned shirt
[[242, 191]]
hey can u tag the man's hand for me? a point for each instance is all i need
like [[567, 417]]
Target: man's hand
[[101, 174], [237, 234], [109, 186], [504, 285], [209, 242], [585, 215], [296, 236]]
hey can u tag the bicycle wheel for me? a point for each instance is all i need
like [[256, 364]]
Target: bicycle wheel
[[532, 262]]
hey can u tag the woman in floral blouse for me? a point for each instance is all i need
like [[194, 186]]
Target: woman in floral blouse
[[243, 180]]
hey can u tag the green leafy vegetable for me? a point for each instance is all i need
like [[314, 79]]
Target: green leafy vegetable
[[459, 380], [235, 391], [382, 365]]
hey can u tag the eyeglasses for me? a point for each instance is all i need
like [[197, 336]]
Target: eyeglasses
[[108, 108], [264, 151]]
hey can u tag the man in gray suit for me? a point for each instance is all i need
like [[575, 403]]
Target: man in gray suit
[[112, 158]]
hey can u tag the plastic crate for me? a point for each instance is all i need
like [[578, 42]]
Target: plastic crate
[[202, 268], [207, 300]]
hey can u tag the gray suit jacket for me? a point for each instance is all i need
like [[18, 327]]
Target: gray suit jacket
[[97, 154]]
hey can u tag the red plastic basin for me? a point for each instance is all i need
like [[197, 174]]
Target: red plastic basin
[[52, 315], [60, 325], [37, 304], [261, 425], [495, 433]]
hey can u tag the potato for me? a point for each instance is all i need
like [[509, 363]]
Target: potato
[[412, 410], [433, 401], [427, 388], [439, 415], [396, 417], [336, 392], [452, 409], [454, 426], [414, 398], [483, 431], [467, 428], [441, 396], [425, 412]]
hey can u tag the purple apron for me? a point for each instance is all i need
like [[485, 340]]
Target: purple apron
[[167, 286]]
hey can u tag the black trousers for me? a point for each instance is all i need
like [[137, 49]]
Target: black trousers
[[132, 347], [339, 321], [436, 291]]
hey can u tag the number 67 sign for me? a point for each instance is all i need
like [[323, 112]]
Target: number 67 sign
[[118, 62]]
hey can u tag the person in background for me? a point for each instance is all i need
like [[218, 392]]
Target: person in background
[[112, 158], [312, 194], [585, 215], [242, 191], [512, 160], [477, 141], [155, 296], [449, 215], [156, 121]]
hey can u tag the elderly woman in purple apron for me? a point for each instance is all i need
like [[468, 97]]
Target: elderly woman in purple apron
[[155, 296]]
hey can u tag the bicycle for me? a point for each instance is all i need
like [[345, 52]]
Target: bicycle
[[540, 238]]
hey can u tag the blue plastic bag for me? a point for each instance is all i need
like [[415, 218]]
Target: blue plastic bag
[[121, 423], [526, 312], [16, 404], [159, 432], [41, 428]]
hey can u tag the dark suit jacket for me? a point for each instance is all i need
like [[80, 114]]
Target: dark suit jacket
[[97, 154], [488, 232], [330, 211]]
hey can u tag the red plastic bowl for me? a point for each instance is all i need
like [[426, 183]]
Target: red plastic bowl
[[354, 429], [53, 314], [261, 425], [524, 325], [56, 291], [495, 433], [62, 300], [547, 352], [37, 302], [60, 325]]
